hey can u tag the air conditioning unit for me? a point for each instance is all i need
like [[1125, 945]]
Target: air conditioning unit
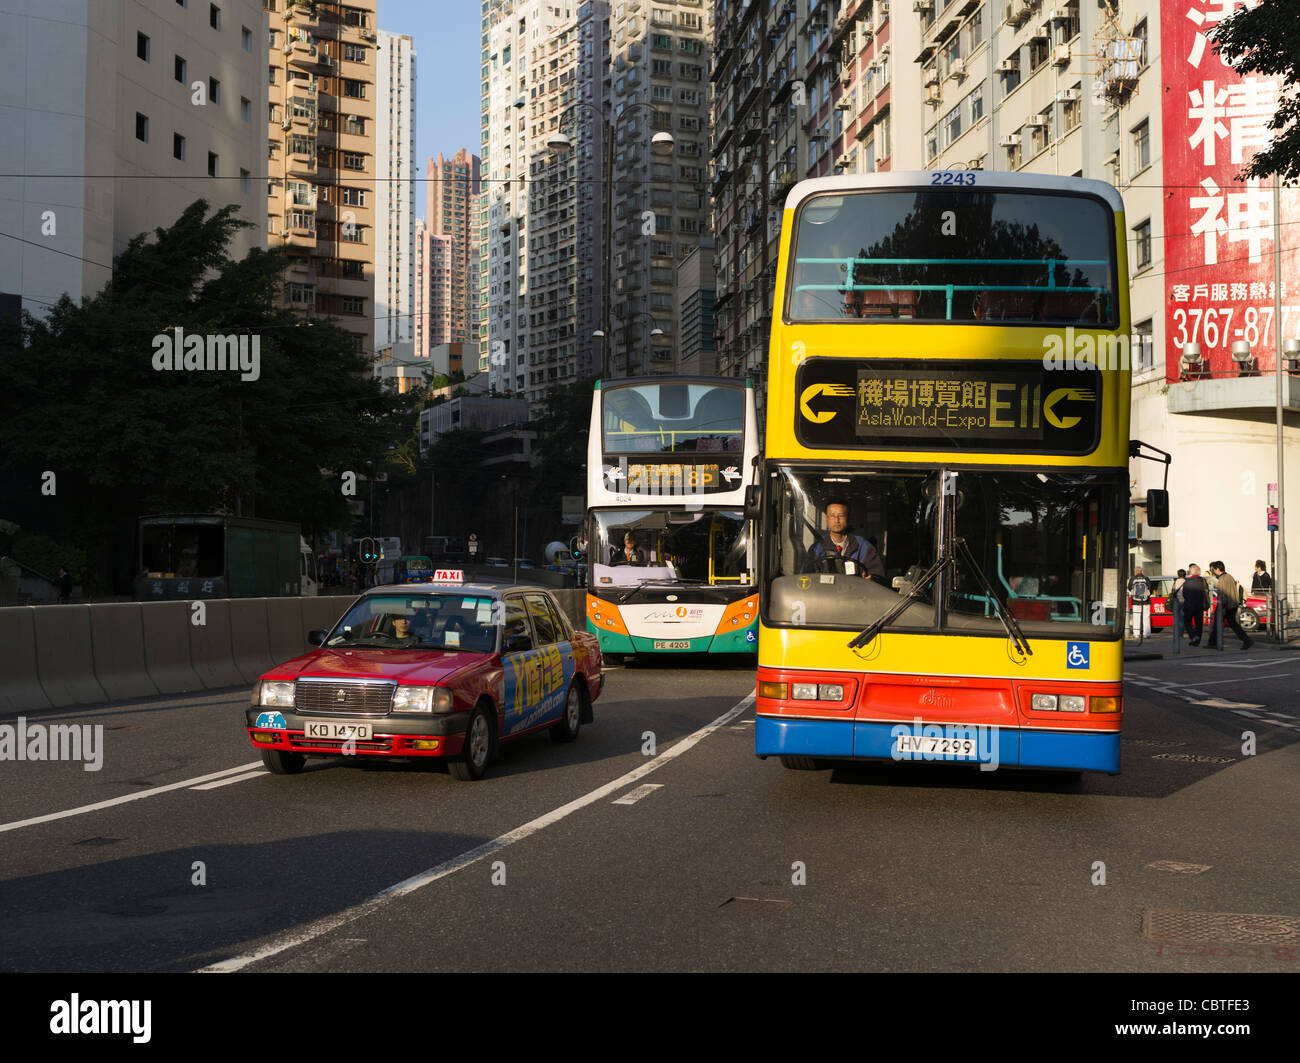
[[1061, 54], [932, 96], [882, 10], [921, 7], [931, 75], [1008, 66], [286, 123], [368, 34], [288, 47], [957, 69], [844, 161], [844, 103], [1067, 94], [1059, 14], [1035, 121], [1009, 140]]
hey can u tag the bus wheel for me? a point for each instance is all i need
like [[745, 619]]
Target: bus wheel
[[612, 658], [800, 763], [278, 762]]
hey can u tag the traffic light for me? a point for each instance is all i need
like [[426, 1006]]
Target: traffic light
[[369, 551], [577, 548]]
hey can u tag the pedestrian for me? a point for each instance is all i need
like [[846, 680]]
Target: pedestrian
[[1175, 599], [1228, 592], [64, 584], [1261, 582], [1139, 593], [1196, 596]]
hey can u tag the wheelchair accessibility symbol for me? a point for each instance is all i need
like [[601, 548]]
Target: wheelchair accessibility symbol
[[1076, 655]]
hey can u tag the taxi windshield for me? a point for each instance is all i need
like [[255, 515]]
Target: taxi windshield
[[456, 622]]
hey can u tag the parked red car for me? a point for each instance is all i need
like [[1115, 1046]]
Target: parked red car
[[430, 670]]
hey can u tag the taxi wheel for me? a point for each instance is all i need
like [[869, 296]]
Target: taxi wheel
[[567, 729], [474, 758], [1247, 618], [278, 762]]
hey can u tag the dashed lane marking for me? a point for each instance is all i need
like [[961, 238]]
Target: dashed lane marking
[[227, 782], [632, 797]]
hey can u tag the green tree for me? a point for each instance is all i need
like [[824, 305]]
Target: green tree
[[1265, 39], [83, 399]]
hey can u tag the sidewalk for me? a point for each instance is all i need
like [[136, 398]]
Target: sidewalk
[[1160, 645]]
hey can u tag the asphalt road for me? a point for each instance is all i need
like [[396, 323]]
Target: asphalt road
[[605, 856]]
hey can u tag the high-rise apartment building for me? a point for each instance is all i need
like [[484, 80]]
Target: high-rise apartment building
[[452, 190], [323, 158], [137, 110], [803, 88], [659, 66], [433, 290], [491, 12], [395, 187]]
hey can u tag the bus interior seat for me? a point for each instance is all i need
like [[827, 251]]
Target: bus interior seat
[[1070, 306], [717, 412], [1006, 306]]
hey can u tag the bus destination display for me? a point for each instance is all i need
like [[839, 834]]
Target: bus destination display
[[997, 406], [656, 478]]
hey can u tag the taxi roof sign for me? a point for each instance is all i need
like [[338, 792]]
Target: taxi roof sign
[[449, 575]]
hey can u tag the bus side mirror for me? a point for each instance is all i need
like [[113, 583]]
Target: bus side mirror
[[1157, 509], [753, 502]]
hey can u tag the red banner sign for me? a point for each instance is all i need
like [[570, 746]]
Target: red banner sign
[[1219, 231]]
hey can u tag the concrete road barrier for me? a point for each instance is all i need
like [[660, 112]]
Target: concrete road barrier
[[288, 630], [322, 612], [117, 638], [167, 646], [211, 651], [65, 657], [20, 684], [250, 637]]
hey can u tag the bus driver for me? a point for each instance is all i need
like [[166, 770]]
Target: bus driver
[[839, 542]]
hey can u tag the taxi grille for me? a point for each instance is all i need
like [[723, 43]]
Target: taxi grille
[[326, 696]]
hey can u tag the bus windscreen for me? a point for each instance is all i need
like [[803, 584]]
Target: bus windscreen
[[673, 417], [939, 255]]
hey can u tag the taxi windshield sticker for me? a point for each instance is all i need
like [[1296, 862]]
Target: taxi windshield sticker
[[999, 406], [452, 639], [483, 614]]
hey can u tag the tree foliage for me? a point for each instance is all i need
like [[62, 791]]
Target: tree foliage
[[83, 399], [1265, 39]]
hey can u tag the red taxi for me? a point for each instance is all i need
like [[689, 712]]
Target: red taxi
[[430, 670], [1250, 616]]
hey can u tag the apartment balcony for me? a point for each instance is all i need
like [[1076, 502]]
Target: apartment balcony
[[300, 13], [300, 237], [305, 55], [302, 164]]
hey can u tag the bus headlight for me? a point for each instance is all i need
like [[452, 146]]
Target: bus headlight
[[830, 691], [1073, 702], [274, 694], [422, 699], [804, 692], [1043, 702]]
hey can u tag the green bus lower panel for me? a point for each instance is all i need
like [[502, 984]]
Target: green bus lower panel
[[612, 641], [742, 640]]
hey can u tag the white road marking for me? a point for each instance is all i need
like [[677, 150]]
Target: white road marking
[[1240, 666], [315, 929], [227, 782], [641, 791], [1217, 682], [1217, 703], [151, 792]]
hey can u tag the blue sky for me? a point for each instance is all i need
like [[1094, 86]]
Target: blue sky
[[446, 34]]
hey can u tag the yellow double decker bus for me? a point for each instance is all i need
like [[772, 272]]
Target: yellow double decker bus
[[944, 491]]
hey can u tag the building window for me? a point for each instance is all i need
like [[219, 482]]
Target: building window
[[353, 161], [271, 77], [977, 105], [355, 90], [142, 46], [1144, 356], [245, 108], [1141, 146], [354, 304], [352, 234], [302, 294], [214, 90], [179, 70], [141, 127], [214, 16], [245, 181], [353, 197], [1142, 244], [212, 164], [354, 53], [178, 147], [246, 38], [354, 124]]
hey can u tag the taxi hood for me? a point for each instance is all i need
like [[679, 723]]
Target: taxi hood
[[405, 666]]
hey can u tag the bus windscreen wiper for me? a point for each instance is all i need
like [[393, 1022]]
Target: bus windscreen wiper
[[669, 582], [867, 635], [1009, 622]]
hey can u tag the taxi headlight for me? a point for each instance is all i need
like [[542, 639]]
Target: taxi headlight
[[422, 699], [276, 694]]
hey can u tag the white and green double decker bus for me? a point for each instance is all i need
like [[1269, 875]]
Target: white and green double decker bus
[[671, 557]]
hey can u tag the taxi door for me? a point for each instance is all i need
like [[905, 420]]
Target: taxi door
[[522, 669], [555, 654]]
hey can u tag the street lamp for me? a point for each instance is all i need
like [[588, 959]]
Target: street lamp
[[655, 330], [560, 144]]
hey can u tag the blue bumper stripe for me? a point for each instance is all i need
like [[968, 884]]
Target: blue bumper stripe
[[809, 738]]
